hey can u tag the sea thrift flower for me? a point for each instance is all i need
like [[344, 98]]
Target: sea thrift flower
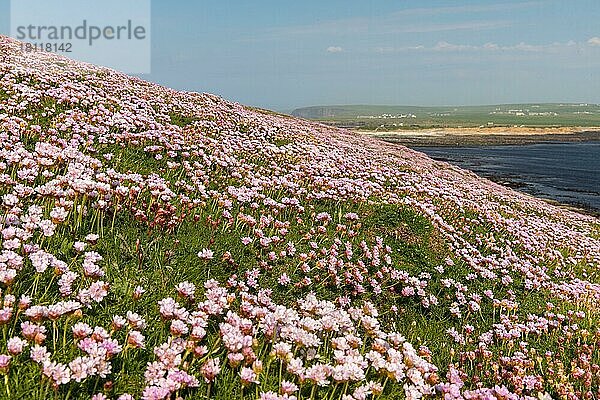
[[135, 320], [205, 254], [24, 302], [248, 376], [138, 292], [186, 290], [16, 345], [155, 393], [284, 280], [135, 339], [178, 328], [92, 238], [288, 387], [4, 363], [81, 330], [210, 369], [118, 322], [39, 354]]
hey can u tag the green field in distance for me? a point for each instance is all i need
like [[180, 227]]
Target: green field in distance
[[387, 118]]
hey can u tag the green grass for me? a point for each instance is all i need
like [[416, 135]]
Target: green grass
[[596, 232], [182, 120]]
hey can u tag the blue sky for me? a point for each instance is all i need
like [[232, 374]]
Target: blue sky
[[286, 54]]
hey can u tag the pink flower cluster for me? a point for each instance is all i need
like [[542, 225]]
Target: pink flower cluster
[[318, 344]]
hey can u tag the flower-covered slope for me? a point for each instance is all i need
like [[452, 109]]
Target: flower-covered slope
[[160, 244]]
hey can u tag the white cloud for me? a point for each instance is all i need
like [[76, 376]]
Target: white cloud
[[390, 49], [595, 41], [445, 46], [491, 46], [334, 49], [552, 47], [523, 47]]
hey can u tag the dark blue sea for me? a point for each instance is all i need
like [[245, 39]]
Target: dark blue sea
[[565, 172]]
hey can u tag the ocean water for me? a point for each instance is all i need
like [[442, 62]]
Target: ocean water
[[565, 172]]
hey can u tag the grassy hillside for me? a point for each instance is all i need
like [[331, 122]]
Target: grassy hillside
[[164, 245], [410, 117]]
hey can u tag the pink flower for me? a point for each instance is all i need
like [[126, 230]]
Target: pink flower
[[210, 369], [58, 372], [92, 238], [186, 290], [155, 393], [288, 387], [138, 292], [39, 354], [81, 330], [16, 345], [206, 254], [135, 320], [135, 339], [248, 376], [24, 302], [178, 328], [98, 290], [118, 322], [4, 363], [58, 215], [284, 279]]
